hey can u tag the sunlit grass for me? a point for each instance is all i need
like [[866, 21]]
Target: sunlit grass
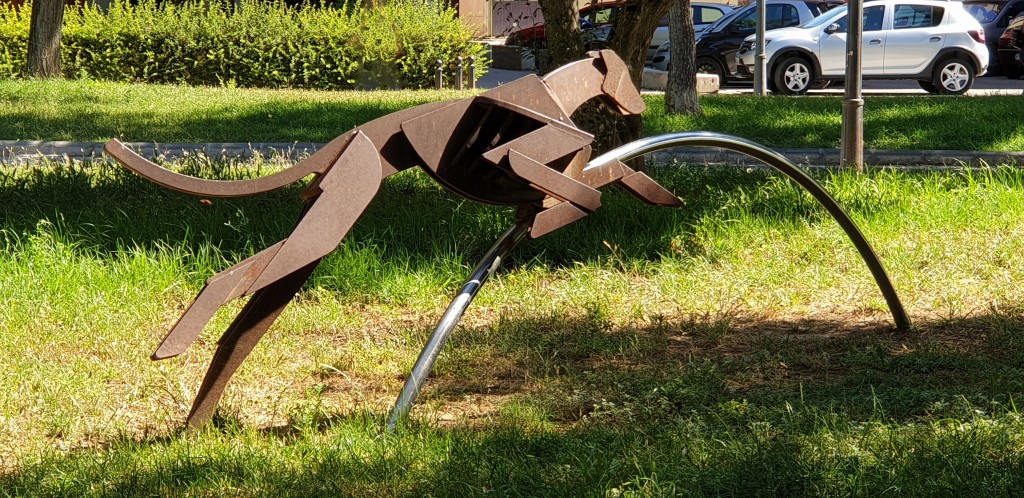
[[97, 111], [734, 346]]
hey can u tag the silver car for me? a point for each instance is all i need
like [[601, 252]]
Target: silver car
[[935, 42]]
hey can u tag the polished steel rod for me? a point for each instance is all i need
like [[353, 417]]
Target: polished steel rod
[[425, 363], [492, 260], [779, 162]]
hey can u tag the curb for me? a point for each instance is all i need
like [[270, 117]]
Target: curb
[[18, 152]]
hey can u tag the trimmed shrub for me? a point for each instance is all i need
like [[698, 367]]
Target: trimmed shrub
[[250, 44]]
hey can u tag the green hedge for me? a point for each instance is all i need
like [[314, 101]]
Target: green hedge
[[250, 44]]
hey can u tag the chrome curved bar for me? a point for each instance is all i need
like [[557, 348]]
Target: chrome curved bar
[[780, 163], [490, 262], [425, 362]]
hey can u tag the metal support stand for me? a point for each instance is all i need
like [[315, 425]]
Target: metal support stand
[[780, 163], [514, 235], [425, 363]]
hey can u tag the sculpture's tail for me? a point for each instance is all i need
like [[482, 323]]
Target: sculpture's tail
[[316, 163]]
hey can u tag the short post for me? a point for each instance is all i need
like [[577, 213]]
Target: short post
[[459, 77], [439, 75], [472, 72]]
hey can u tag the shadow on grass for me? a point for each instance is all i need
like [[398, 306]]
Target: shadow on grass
[[694, 406], [104, 208]]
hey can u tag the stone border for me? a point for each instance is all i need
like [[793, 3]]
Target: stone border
[[22, 152]]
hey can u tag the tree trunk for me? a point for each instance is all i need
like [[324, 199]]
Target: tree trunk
[[562, 32], [681, 91], [44, 38]]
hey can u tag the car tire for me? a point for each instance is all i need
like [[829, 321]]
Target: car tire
[[953, 76], [707, 65], [821, 85], [927, 86], [1014, 73], [793, 76]]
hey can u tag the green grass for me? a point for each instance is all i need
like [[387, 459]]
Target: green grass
[[90, 110], [735, 346]]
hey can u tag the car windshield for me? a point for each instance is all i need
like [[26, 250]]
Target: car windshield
[[984, 11], [826, 18], [724, 20]]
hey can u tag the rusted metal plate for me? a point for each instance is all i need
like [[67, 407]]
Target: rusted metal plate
[[514, 145]]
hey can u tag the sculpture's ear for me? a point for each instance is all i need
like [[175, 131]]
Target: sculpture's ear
[[617, 85]]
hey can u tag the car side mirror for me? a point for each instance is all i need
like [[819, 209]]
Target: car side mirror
[[832, 28]]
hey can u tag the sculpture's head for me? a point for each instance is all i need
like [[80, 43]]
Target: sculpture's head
[[603, 75], [618, 89]]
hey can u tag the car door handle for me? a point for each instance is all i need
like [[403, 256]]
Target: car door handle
[[876, 41], [935, 39]]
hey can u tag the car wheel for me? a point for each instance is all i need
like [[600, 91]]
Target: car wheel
[[794, 76], [1014, 73], [953, 76], [707, 65], [821, 85], [927, 86]]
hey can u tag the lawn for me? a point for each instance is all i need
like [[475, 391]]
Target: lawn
[[98, 111], [735, 346]]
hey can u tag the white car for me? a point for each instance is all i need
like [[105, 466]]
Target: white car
[[935, 42]]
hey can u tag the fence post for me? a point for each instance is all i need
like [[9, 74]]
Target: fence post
[[439, 75], [459, 77], [472, 72]]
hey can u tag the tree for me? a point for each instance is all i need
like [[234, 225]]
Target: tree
[[630, 37], [44, 38], [681, 90]]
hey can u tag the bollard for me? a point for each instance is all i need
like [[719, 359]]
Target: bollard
[[439, 75], [459, 78], [472, 72]]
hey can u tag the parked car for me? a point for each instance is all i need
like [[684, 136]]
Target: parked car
[[994, 16], [596, 19], [1011, 49], [595, 16], [935, 42], [704, 15], [717, 45]]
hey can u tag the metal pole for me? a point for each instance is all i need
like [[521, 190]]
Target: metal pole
[[425, 363], [760, 58], [439, 75], [459, 76], [852, 153], [472, 72]]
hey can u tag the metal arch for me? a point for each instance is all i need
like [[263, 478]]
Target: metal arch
[[783, 165]]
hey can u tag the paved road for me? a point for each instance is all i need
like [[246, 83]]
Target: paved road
[[994, 85], [986, 85]]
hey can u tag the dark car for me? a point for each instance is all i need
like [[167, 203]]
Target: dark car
[[1011, 49], [717, 45], [994, 16]]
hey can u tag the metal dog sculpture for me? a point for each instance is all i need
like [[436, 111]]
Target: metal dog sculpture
[[513, 145]]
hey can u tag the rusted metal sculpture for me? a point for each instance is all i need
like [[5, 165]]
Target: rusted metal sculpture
[[514, 145]]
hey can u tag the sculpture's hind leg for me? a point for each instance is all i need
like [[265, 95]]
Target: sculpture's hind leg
[[241, 337], [336, 199], [221, 288], [335, 202]]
